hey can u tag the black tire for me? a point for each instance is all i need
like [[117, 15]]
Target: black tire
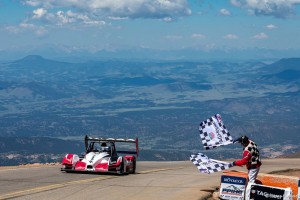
[[134, 167], [121, 171]]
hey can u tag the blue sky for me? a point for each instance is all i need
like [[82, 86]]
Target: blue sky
[[112, 25]]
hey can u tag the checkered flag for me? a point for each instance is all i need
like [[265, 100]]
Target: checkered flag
[[213, 133], [208, 166]]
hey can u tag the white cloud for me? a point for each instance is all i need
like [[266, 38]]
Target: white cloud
[[41, 31], [168, 19], [63, 18], [271, 26], [12, 29], [158, 9], [261, 36], [236, 3], [277, 8], [95, 22], [32, 3], [210, 47], [39, 13], [231, 37], [173, 37], [118, 18], [225, 12], [25, 27], [198, 36]]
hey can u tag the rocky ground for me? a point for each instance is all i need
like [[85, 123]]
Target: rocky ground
[[29, 165], [288, 172]]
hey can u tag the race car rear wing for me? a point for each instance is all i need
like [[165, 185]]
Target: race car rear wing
[[115, 140]]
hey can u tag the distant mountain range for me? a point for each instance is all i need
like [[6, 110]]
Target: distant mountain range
[[68, 53], [51, 102]]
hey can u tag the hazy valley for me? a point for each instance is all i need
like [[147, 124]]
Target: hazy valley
[[47, 106]]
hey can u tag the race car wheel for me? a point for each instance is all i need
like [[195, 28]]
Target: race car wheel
[[134, 167], [121, 171]]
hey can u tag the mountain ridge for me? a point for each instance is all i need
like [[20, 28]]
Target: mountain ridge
[[162, 103]]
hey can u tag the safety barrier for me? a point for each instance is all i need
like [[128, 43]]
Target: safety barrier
[[233, 184], [281, 181]]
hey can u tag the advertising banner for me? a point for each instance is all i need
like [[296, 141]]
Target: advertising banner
[[263, 192], [232, 187]]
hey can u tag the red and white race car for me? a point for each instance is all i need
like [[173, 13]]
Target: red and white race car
[[101, 156]]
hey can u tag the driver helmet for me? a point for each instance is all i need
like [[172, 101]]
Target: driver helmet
[[106, 149]]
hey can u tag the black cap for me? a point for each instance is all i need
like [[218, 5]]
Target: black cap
[[243, 140]]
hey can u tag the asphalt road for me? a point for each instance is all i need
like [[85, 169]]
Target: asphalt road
[[153, 181]]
